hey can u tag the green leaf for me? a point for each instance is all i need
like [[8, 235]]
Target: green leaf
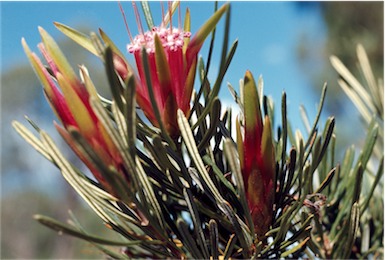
[[70, 230], [325, 183], [370, 142], [195, 216], [230, 246], [214, 240], [231, 155], [376, 181], [59, 59], [329, 132], [112, 132], [354, 225], [320, 107], [80, 38], [150, 195], [298, 247], [71, 175], [188, 240], [214, 92], [85, 77], [244, 236], [31, 139], [200, 36], [252, 107], [121, 125], [147, 14], [113, 79], [219, 174], [108, 42], [214, 121], [356, 89]]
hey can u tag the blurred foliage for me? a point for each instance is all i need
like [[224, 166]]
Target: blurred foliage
[[347, 25], [23, 238]]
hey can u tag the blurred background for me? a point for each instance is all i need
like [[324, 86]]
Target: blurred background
[[288, 43]]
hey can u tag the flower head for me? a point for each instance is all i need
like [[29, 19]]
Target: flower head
[[172, 60], [257, 159]]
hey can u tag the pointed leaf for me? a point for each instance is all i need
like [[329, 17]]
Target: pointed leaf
[[253, 116], [188, 240], [113, 79], [186, 28], [115, 50], [59, 59], [88, 82], [147, 14], [31, 139], [80, 38], [214, 239], [196, 221], [162, 66], [70, 230], [296, 248], [268, 147], [197, 41], [78, 109]]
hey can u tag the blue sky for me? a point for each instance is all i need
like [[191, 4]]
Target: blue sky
[[268, 35]]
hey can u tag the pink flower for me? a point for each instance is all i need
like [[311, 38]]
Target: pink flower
[[256, 152], [172, 60]]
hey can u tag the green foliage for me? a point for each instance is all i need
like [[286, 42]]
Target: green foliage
[[187, 197]]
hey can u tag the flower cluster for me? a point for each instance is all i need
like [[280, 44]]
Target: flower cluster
[[172, 39]]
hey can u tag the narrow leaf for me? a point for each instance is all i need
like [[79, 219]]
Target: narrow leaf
[[147, 14], [80, 38], [31, 139], [70, 230], [188, 240], [196, 221], [113, 79], [214, 240], [296, 248]]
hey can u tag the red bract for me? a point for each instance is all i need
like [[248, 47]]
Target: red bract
[[256, 152], [70, 99]]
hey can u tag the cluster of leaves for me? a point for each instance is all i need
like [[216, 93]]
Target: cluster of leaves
[[368, 97], [187, 197]]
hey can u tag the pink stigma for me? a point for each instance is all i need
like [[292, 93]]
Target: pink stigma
[[172, 40]]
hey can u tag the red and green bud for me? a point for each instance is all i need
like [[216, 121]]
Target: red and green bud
[[70, 99], [256, 151]]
